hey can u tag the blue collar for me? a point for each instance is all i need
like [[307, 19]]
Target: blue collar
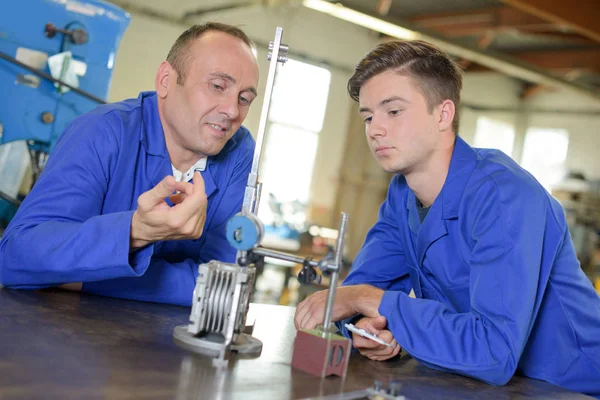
[[152, 134], [446, 205], [462, 165]]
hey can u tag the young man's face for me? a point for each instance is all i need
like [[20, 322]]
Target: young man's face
[[222, 76], [401, 132]]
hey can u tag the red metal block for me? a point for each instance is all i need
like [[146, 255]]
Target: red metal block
[[321, 354]]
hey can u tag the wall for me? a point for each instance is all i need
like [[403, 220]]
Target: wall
[[581, 119], [577, 114], [492, 92], [143, 47]]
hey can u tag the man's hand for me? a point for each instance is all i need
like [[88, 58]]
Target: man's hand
[[349, 301], [370, 348], [155, 220]]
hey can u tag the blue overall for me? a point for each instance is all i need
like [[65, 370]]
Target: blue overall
[[75, 224], [499, 288]]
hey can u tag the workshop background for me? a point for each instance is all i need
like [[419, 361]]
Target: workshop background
[[531, 89]]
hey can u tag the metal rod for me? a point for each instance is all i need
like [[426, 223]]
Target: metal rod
[[283, 256], [257, 192], [339, 250], [50, 78], [250, 193]]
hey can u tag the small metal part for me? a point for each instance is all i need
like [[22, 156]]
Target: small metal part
[[49, 30], [282, 57], [327, 264], [244, 231], [219, 307], [47, 117], [307, 274], [283, 256], [377, 392], [257, 194], [77, 36]]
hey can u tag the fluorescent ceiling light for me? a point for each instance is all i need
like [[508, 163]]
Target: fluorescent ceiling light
[[367, 21]]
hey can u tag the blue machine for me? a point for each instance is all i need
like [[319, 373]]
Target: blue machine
[[56, 62]]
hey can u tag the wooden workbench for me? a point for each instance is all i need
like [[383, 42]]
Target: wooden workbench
[[64, 345]]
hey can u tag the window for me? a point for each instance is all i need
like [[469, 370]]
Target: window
[[295, 120], [544, 154], [493, 134], [291, 152]]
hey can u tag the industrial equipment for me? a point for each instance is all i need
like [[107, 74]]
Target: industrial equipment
[[223, 290], [56, 62]]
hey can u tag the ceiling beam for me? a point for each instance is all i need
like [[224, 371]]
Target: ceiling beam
[[581, 16], [383, 7], [567, 39], [483, 43], [220, 8], [497, 20], [530, 90], [587, 59], [476, 22]]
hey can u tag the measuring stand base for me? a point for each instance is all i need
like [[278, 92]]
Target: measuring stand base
[[321, 354], [211, 344]]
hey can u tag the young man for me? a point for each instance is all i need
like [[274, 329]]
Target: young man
[[485, 248], [104, 215]]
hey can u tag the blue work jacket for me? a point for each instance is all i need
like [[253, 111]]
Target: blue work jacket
[[498, 286], [75, 224]]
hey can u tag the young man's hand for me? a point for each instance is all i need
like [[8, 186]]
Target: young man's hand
[[155, 220], [349, 301], [371, 349]]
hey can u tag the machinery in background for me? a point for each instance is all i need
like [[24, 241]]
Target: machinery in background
[[56, 62], [580, 199], [222, 293]]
